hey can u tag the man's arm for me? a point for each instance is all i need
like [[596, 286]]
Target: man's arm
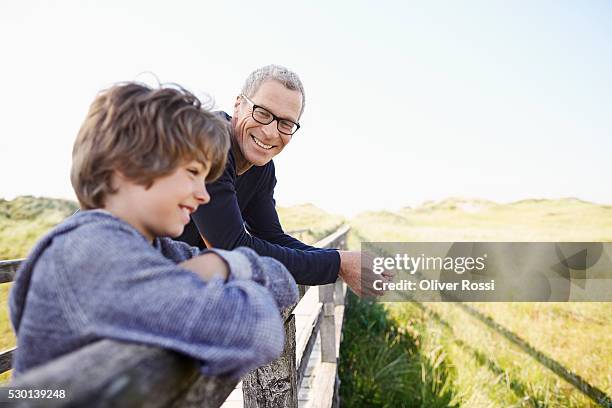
[[262, 221], [358, 279], [221, 224]]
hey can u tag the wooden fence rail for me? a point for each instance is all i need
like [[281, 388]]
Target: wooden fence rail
[[111, 373]]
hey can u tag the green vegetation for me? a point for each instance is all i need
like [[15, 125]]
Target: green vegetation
[[310, 222], [25, 219], [477, 364], [22, 222], [385, 363], [7, 337]]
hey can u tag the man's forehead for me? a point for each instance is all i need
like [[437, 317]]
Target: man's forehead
[[279, 99]]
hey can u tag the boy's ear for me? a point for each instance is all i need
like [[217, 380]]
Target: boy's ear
[[117, 174], [118, 179]]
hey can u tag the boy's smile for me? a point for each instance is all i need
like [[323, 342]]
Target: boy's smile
[[187, 210]]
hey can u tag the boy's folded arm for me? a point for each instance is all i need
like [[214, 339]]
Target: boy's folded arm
[[244, 263], [207, 266], [125, 289]]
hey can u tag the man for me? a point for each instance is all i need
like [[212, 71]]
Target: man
[[265, 118]]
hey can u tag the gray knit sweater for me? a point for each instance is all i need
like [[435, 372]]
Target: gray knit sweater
[[94, 276]]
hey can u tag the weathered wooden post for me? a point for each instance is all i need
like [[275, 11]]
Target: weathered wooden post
[[328, 325], [339, 292], [275, 384]]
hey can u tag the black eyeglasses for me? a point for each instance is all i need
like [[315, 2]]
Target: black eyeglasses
[[265, 117]]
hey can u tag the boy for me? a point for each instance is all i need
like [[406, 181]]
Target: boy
[[140, 161]]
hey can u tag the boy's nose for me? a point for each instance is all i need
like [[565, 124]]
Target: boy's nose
[[202, 195]]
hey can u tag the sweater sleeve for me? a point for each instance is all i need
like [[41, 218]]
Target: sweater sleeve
[[222, 225], [117, 286], [243, 263], [268, 272]]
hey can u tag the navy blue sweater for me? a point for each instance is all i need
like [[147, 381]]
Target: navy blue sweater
[[242, 212]]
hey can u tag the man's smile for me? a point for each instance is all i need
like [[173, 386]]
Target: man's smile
[[260, 143]]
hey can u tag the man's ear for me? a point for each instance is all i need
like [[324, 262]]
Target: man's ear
[[237, 103]]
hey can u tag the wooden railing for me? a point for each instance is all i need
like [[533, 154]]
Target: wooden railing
[[113, 373]]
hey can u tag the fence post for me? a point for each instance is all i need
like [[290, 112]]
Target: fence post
[[275, 384], [339, 295], [328, 324], [339, 292]]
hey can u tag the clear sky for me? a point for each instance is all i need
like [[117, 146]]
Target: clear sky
[[406, 101]]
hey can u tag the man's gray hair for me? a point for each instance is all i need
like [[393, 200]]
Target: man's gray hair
[[277, 73]]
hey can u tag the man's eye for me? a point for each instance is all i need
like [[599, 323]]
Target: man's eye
[[262, 114], [286, 126], [195, 172]]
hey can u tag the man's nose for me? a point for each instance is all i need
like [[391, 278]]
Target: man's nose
[[270, 130]]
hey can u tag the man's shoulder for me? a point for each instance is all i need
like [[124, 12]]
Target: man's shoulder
[[259, 178], [223, 115], [267, 170]]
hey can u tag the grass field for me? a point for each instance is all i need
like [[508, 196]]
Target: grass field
[[472, 349], [22, 221], [318, 222]]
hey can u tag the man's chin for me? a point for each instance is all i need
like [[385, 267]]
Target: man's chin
[[260, 161]]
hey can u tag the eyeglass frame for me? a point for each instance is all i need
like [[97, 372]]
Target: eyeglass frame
[[274, 117]]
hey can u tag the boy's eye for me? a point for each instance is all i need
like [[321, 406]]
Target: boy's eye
[[195, 172]]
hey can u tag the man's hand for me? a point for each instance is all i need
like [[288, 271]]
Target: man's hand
[[360, 279], [207, 266]]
